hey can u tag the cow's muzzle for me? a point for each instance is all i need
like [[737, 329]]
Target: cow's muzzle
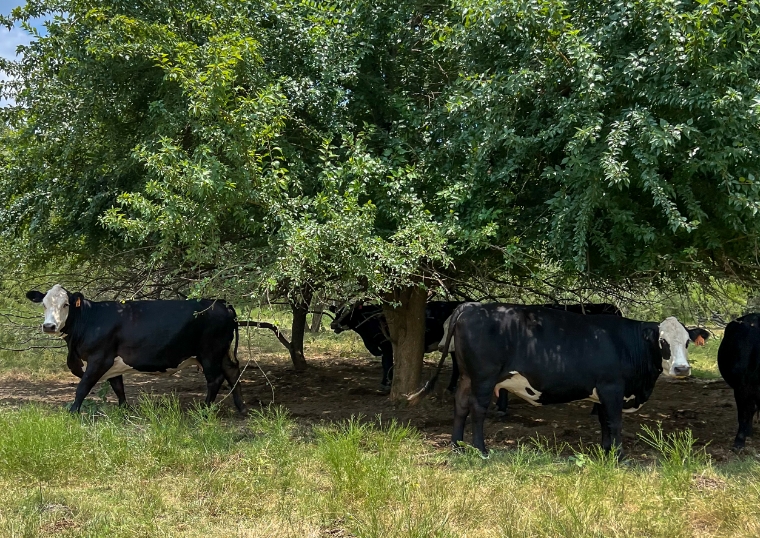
[[48, 328], [682, 371], [337, 327]]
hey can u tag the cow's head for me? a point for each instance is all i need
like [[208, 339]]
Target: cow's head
[[674, 341], [58, 304], [344, 317]]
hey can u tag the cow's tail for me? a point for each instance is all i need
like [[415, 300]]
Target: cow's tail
[[417, 397], [237, 335]]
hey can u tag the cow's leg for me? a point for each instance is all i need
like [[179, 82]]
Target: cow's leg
[[502, 402], [96, 369], [117, 384], [454, 374], [745, 409], [461, 410], [214, 374], [387, 358], [611, 415], [232, 375], [480, 399]]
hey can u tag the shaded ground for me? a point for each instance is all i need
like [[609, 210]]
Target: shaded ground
[[335, 388]]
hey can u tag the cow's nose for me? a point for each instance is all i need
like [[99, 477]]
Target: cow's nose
[[48, 327], [682, 371], [337, 328]]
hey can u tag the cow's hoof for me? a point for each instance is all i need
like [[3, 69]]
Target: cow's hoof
[[385, 389], [484, 455], [737, 449], [500, 415]]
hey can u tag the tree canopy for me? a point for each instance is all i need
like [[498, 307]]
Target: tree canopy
[[382, 143]]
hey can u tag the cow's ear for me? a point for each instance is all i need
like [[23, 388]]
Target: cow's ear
[[652, 335], [35, 296], [76, 300], [698, 336]]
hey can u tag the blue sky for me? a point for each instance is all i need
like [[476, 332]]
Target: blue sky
[[10, 40]]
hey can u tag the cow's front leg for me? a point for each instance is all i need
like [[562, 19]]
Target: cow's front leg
[[117, 384], [611, 418], [387, 358], [745, 409], [96, 369]]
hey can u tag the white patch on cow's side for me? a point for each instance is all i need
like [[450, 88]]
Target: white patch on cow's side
[[56, 304], [519, 386], [632, 409], [594, 396], [629, 398], [672, 332], [121, 368], [442, 343]]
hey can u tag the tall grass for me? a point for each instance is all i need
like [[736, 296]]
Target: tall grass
[[156, 471]]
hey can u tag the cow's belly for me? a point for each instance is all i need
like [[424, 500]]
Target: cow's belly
[[519, 385], [121, 368]]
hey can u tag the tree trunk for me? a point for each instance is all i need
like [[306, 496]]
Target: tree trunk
[[299, 304], [316, 317], [406, 328]]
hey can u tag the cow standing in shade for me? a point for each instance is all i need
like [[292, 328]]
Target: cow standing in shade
[[549, 356], [369, 323], [739, 364], [116, 338]]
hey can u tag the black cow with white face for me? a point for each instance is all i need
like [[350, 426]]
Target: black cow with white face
[[368, 321], [549, 356], [739, 364], [116, 338]]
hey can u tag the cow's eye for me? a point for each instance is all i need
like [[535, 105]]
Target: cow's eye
[[66, 305]]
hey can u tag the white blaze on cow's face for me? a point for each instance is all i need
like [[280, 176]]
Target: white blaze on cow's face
[[56, 303], [673, 341]]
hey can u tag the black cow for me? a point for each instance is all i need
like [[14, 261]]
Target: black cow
[[549, 356], [739, 364], [589, 309], [115, 338], [369, 323]]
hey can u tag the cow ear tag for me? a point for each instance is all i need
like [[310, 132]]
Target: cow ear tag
[[78, 303], [699, 341]]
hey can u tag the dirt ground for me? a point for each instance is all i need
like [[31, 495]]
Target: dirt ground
[[334, 389]]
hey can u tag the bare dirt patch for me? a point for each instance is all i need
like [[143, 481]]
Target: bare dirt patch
[[335, 388]]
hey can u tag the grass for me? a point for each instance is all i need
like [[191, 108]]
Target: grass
[[156, 471]]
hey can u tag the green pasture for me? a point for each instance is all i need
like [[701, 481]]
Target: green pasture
[[158, 471]]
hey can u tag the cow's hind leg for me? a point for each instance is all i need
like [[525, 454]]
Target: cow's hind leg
[[117, 384], [461, 410], [480, 399], [232, 375], [745, 409]]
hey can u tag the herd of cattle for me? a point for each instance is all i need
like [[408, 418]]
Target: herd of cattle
[[545, 354]]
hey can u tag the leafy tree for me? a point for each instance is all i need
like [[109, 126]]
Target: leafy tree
[[380, 148]]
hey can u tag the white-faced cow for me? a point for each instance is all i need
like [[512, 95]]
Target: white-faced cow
[[549, 356], [116, 338], [739, 364]]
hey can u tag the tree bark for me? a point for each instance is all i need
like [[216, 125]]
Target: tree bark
[[299, 304], [316, 317], [406, 329]]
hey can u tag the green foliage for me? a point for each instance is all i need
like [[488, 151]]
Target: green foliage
[[271, 145]]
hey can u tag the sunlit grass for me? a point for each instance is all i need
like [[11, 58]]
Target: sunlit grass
[[155, 470]]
